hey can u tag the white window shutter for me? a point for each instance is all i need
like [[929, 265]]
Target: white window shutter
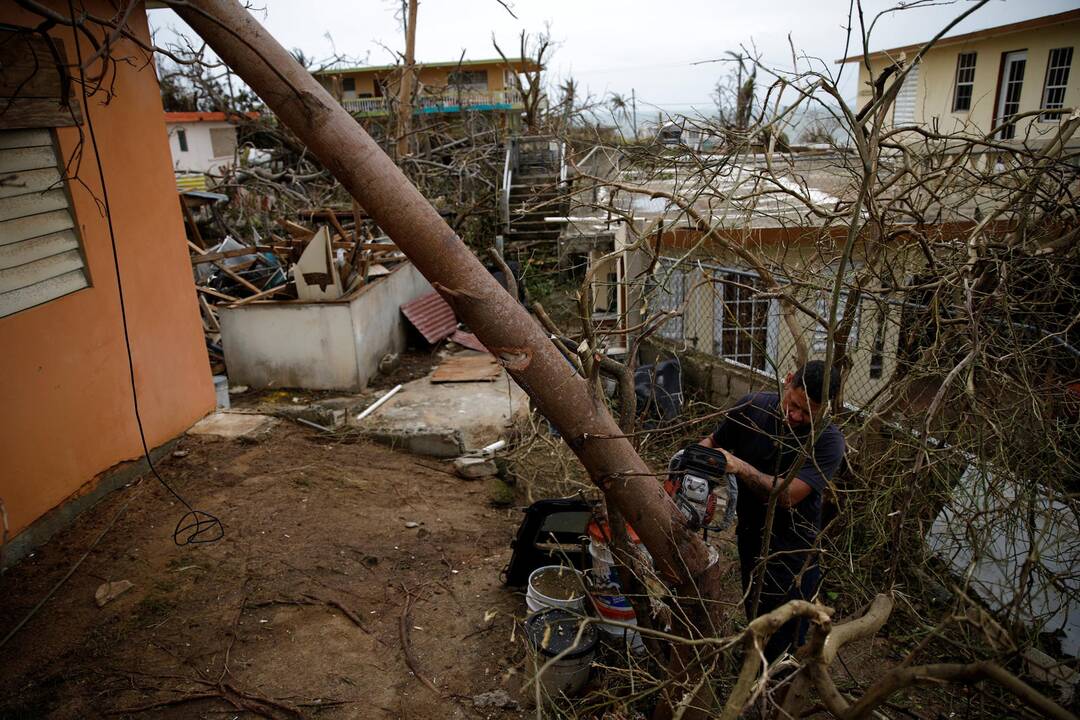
[[40, 255]]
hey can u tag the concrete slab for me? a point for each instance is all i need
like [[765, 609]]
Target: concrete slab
[[233, 425], [447, 419]]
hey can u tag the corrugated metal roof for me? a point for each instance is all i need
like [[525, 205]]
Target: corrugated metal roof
[[432, 316]]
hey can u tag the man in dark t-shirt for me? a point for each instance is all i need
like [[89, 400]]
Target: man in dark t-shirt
[[769, 438]]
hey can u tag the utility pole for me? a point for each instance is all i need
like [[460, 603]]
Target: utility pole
[[405, 97], [633, 106]]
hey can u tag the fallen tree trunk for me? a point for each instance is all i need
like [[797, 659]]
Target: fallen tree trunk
[[500, 322]]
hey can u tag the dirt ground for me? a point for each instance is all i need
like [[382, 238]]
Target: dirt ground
[[298, 608]]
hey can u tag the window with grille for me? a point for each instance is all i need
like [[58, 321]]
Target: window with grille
[[965, 82], [1057, 79], [181, 138], [741, 320], [40, 254], [670, 296]]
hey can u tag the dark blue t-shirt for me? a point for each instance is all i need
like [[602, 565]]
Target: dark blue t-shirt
[[755, 432]]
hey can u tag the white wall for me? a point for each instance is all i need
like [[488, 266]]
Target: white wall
[[199, 157], [333, 345]]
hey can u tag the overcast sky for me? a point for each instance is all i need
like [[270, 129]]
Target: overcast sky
[[650, 47]]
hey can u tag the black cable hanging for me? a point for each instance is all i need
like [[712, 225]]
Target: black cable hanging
[[195, 526]]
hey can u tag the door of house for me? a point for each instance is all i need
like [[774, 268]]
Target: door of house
[[1012, 83]]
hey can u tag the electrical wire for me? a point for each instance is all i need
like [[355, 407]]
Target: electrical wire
[[195, 526]]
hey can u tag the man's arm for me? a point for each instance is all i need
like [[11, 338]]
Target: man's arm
[[762, 484]]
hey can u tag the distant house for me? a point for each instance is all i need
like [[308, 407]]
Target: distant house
[[721, 311], [485, 86], [201, 142], [68, 423], [1011, 79]]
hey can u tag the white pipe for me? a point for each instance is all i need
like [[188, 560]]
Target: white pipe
[[377, 404]]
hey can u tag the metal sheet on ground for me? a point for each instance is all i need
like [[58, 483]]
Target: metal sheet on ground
[[468, 340], [432, 316], [467, 368]]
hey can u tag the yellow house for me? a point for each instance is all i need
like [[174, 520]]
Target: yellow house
[[1012, 80], [444, 87]]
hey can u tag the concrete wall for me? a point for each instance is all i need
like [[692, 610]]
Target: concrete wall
[[378, 324], [199, 157], [319, 345], [64, 373], [937, 76], [290, 344]]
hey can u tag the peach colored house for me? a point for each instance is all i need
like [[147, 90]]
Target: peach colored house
[[68, 422], [444, 87]]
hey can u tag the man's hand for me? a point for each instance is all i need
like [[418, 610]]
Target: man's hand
[[735, 466], [762, 484]]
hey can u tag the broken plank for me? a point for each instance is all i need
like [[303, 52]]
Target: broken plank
[[211, 318], [212, 257], [295, 229], [214, 293], [467, 368], [236, 276]]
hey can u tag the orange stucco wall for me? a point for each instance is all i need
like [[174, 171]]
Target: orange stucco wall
[[67, 412]]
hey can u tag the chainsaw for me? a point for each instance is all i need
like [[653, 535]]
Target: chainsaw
[[701, 488]]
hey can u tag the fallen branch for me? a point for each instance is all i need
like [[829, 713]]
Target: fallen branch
[[410, 659]]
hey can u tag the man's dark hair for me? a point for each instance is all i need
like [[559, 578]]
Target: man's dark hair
[[811, 377]]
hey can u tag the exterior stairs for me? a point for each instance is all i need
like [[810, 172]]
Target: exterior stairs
[[532, 191]]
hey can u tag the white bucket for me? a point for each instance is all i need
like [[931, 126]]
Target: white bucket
[[536, 600], [612, 606]]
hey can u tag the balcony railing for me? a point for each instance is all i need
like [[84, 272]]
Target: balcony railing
[[445, 103]]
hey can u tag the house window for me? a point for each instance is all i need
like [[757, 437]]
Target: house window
[[1057, 78], [181, 137], [223, 141], [348, 84], [670, 296], [821, 335], [965, 82], [741, 320], [470, 79], [40, 254]]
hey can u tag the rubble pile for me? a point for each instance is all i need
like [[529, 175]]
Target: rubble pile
[[320, 254]]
